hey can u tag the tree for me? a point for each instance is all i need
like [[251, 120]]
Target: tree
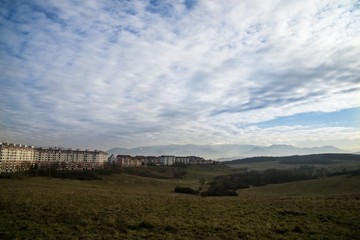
[[201, 182], [36, 169]]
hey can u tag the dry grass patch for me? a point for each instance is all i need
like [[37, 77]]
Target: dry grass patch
[[131, 207]]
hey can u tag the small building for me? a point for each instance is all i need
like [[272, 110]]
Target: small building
[[123, 160], [194, 160], [182, 160], [112, 160], [152, 160]]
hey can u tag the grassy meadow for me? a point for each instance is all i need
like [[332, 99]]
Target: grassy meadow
[[123, 206]]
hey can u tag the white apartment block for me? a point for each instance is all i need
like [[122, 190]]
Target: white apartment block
[[167, 160], [16, 157], [182, 160]]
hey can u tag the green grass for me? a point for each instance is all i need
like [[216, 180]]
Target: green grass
[[132, 207]]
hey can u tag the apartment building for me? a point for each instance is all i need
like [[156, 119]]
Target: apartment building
[[130, 161], [152, 160], [69, 159], [16, 157], [167, 160], [164, 160]]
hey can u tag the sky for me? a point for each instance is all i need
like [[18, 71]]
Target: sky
[[102, 74]]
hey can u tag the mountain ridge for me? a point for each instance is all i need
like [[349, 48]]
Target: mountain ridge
[[224, 151]]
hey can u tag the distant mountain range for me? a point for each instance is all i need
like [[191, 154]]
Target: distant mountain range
[[224, 152]]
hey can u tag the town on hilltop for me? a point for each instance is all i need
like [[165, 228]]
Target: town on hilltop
[[17, 157]]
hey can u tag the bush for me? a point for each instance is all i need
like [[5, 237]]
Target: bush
[[219, 192], [13, 175], [186, 190], [64, 174]]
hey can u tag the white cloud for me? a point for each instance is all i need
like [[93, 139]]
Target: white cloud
[[123, 73]]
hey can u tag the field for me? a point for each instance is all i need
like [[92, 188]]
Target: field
[[125, 206]]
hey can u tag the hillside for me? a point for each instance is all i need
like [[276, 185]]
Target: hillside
[[338, 185], [332, 161], [311, 158]]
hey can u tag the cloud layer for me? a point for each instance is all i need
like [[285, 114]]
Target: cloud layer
[[126, 73]]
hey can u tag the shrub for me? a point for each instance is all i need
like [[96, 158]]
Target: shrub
[[219, 192], [186, 190], [64, 174]]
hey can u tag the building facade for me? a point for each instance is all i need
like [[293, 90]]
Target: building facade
[[167, 160], [16, 157], [164, 160], [152, 160], [130, 161]]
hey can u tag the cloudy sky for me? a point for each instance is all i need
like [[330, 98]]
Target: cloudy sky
[[102, 74]]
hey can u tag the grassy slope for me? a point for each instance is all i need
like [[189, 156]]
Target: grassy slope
[[338, 166], [131, 207], [340, 185]]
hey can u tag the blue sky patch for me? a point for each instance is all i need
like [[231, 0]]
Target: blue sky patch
[[344, 118]]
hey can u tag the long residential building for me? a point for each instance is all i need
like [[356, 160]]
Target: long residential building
[[17, 157], [164, 160]]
